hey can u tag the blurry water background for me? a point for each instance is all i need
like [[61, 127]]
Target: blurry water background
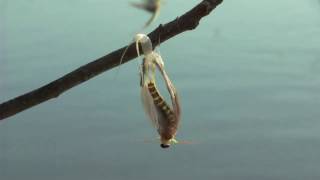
[[248, 77]]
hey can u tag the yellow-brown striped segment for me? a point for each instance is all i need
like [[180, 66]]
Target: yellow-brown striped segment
[[158, 101]]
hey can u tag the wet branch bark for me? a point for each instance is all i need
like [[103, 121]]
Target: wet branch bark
[[189, 21]]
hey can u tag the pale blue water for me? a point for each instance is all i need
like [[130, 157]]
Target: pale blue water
[[249, 80]]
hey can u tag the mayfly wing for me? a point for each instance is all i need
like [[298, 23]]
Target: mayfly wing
[[149, 106], [174, 96], [172, 90], [146, 97]]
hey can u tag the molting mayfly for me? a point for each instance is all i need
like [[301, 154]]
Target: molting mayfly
[[164, 117]]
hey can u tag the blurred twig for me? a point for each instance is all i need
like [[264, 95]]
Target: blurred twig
[[188, 21]]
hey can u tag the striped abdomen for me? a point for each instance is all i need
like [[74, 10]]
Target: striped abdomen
[[168, 124]]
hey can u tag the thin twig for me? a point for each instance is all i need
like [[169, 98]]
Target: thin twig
[[188, 21]]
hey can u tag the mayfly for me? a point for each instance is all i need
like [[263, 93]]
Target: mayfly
[[152, 6], [164, 117]]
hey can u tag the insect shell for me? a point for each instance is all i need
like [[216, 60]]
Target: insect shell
[[164, 117]]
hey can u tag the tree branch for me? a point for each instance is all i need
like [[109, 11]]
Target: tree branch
[[188, 21]]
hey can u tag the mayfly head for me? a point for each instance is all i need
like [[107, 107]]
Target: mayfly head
[[165, 143], [168, 143]]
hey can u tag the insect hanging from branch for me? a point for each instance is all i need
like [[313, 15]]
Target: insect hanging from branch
[[164, 117], [152, 6]]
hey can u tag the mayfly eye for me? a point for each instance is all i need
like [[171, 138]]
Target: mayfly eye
[[164, 146]]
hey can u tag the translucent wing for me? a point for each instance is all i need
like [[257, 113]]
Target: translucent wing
[[172, 90], [149, 107]]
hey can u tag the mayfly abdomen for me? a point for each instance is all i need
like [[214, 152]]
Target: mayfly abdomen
[[159, 102], [168, 124]]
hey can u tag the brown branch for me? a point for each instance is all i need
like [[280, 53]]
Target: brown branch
[[188, 21]]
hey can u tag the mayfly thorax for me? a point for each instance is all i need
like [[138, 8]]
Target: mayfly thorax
[[165, 117]]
